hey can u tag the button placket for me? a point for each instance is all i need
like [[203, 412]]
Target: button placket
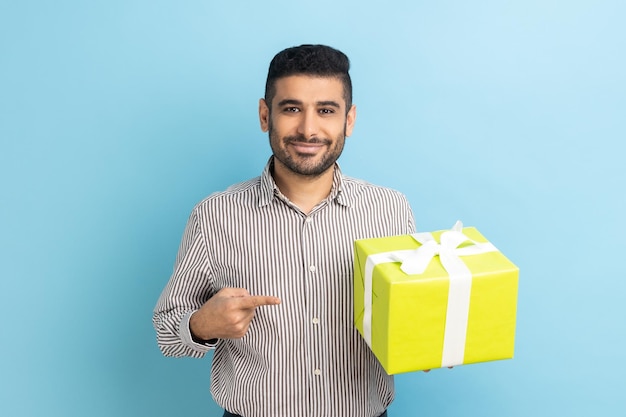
[[312, 271]]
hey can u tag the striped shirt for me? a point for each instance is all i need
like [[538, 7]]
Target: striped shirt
[[303, 357]]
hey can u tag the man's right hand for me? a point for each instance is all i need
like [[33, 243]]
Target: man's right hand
[[227, 314]]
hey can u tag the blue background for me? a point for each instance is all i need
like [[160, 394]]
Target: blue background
[[117, 117]]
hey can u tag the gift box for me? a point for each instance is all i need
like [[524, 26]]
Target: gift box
[[432, 300]]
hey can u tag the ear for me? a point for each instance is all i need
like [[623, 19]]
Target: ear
[[350, 120], [264, 115]]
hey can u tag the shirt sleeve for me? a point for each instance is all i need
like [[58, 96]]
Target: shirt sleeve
[[188, 289], [408, 215]]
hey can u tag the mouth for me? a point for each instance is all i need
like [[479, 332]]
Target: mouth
[[308, 147]]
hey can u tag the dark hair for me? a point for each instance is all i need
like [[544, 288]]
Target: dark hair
[[314, 60]]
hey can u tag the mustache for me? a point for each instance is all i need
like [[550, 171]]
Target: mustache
[[302, 139]]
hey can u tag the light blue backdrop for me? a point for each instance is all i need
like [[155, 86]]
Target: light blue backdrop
[[116, 117]]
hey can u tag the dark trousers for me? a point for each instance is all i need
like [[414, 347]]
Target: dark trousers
[[227, 414]]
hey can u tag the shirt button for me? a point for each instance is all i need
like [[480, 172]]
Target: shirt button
[[315, 320], [317, 372], [308, 220], [312, 268]]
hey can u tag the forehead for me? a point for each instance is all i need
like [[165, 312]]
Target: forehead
[[309, 89]]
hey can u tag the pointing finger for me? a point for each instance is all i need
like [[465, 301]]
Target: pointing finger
[[255, 301]]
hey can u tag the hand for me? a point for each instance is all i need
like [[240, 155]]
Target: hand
[[227, 314], [428, 370]]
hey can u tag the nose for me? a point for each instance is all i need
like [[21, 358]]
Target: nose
[[308, 126]]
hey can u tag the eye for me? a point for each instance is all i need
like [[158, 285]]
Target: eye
[[291, 109], [326, 111]]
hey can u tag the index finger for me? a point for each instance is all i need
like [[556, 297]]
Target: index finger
[[255, 301]]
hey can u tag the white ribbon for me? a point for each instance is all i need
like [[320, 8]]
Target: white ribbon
[[415, 261]]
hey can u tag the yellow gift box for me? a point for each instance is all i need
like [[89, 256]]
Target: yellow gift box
[[431, 300]]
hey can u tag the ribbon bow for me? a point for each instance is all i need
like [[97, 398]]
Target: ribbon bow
[[448, 251]]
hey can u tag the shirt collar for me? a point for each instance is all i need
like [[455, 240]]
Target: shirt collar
[[268, 188]]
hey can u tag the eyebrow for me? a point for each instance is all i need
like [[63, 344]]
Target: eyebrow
[[330, 103], [294, 102]]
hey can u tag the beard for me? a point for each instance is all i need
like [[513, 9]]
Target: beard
[[306, 164]]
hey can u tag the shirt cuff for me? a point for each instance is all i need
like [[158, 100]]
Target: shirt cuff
[[187, 338]]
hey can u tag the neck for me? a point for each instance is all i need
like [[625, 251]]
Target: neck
[[304, 191]]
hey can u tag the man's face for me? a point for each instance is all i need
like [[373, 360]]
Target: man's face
[[307, 123]]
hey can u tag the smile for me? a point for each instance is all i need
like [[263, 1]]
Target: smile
[[308, 147]]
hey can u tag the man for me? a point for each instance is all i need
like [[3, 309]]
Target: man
[[264, 270]]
